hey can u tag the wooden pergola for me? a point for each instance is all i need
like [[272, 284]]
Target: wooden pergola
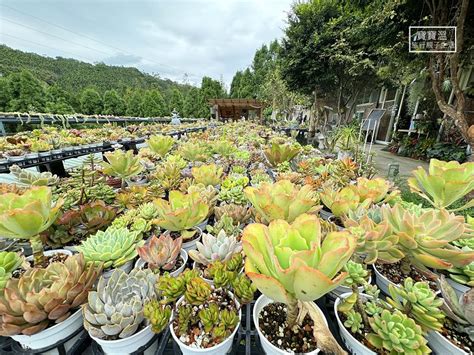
[[235, 109]]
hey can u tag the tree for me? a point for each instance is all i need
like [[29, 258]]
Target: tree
[[91, 102], [153, 104], [26, 93], [135, 103], [176, 101], [58, 101], [113, 103], [443, 66], [192, 106], [4, 94]]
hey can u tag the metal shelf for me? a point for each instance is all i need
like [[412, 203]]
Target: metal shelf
[[78, 151]]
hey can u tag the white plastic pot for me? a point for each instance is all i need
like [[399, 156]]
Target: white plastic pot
[[127, 267], [191, 245], [219, 349], [140, 263], [53, 334], [442, 346], [339, 290], [267, 346], [130, 344], [382, 282], [209, 281], [352, 344], [51, 252], [460, 289], [202, 226]]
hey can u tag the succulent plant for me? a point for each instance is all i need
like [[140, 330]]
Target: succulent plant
[[160, 145], [226, 224], [220, 247], [375, 189], [9, 262], [207, 193], [372, 308], [209, 316], [464, 275], [194, 151], [181, 213], [444, 183], [243, 288], [123, 165], [44, 296], [281, 200], [32, 178], [461, 310], [168, 174], [257, 179], [157, 314], [341, 202], [26, 216], [197, 291], [184, 317], [234, 180], [148, 211], [234, 195], [419, 302], [161, 252], [220, 275], [77, 224], [279, 153], [223, 147], [40, 146], [290, 262], [357, 273], [353, 321], [425, 239], [395, 333], [112, 247], [115, 310], [207, 174], [375, 241], [171, 288]]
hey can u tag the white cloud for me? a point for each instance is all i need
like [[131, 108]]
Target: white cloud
[[198, 37]]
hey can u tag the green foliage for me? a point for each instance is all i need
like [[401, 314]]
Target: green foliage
[[397, 334], [32, 83], [194, 105], [26, 93], [353, 321], [91, 102], [135, 103], [419, 302], [113, 103], [176, 101], [158, 315], [153, 104]]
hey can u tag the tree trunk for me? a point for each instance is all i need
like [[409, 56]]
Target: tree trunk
[[314, 117], [441, 63], [292, 313]]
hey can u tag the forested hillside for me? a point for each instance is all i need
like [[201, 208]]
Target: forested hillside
[[33, 83], [74, 75]]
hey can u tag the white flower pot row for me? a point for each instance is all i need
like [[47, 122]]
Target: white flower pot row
[[437, 342]]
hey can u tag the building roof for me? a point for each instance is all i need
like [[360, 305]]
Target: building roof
[[252, 103]]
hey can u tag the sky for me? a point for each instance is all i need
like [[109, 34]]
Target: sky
[[169, 37]]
